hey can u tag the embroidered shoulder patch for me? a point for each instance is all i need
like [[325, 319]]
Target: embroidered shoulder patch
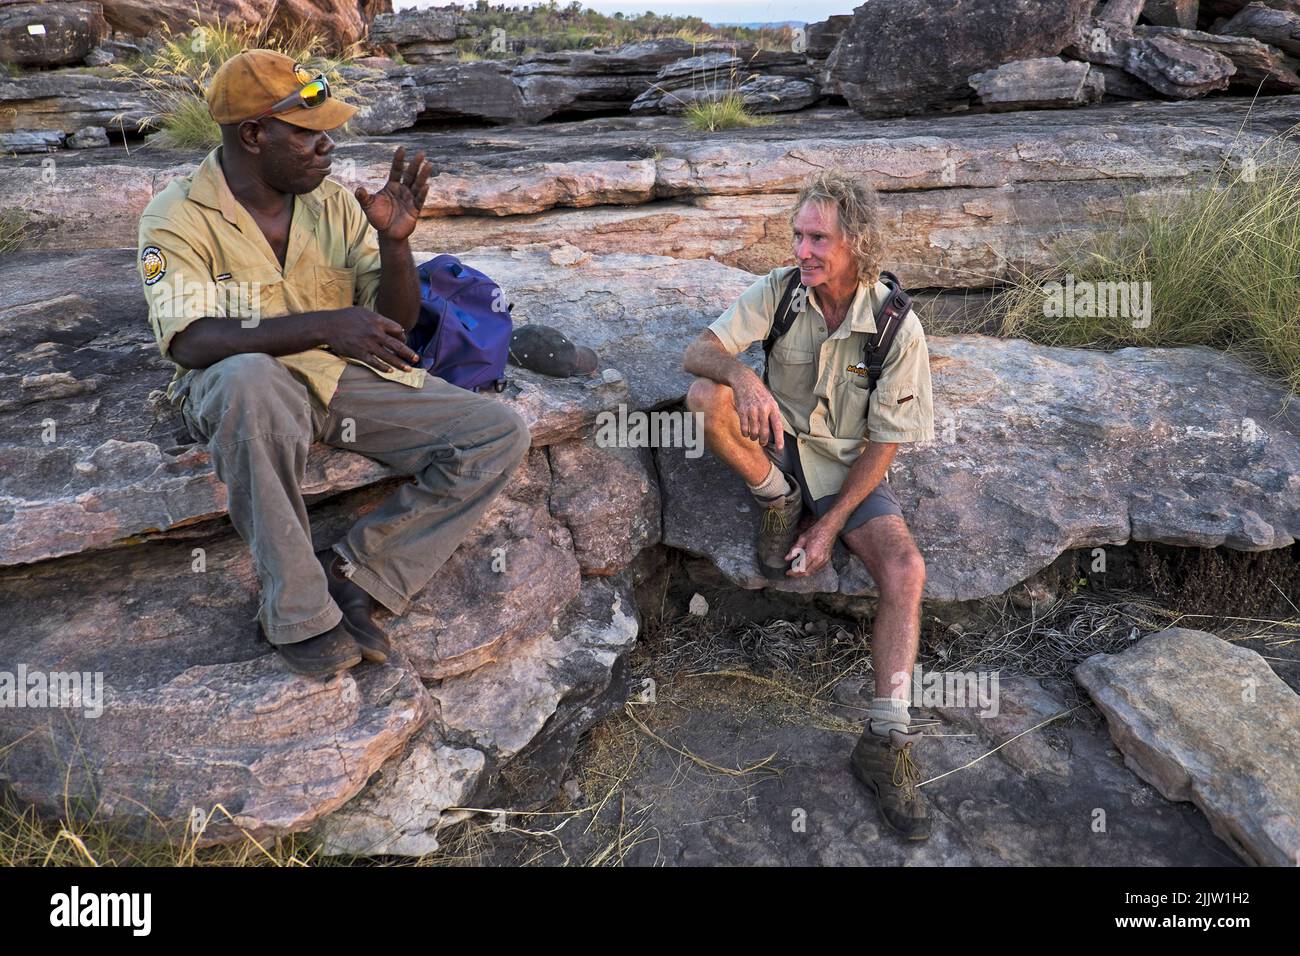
[[153, 263]]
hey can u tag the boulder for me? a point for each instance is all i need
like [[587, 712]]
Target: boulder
[[31, 141], [420, 36], [1204, 720], [1177, 69], [203, 734], [1164, 62], [1044, 83], [767, 82], [506, 581], [1171, 13], [1278, 28], [88, 137], [49, 34], [1257, 65], [481, 91], [68, 100], [933, 48], [529, 710], [385, 105], [1230, 8], [602, 80], [608, 497], [502, 707], [339, 22]]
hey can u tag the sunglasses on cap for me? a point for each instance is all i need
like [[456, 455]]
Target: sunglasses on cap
[[315, 91]]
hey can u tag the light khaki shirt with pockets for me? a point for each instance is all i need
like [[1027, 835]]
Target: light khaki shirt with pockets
[[810, 377], [202, 254]]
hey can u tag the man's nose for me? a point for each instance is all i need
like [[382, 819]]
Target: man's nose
[[801, 249], [325, 145]]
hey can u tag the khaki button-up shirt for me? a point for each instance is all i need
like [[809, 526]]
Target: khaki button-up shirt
[[822, 402], [202, 254]]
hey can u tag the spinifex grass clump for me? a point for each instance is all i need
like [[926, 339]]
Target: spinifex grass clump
[[174, 78], [1222, 260], [727, 112]]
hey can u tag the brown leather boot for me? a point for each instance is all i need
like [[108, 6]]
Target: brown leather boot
[[357, 607], [779, 530], [322, 656], [884, 765]]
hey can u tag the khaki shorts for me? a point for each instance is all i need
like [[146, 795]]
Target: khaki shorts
[[882, 501]]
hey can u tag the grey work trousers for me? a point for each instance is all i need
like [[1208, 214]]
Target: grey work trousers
[[259, 422]]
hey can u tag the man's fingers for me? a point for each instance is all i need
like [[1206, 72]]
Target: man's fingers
[[412, 170], [422, 178], [363, 197], [377, 362], [395, 171], [778, 430], [395, 357], [796, 547]]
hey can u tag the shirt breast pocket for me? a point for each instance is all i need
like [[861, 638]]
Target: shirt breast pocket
[[851, 405], [792, 372], [336, 287]]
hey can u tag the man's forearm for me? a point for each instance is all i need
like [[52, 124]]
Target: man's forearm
[[208, 340], [863, 477], [399, 285], [707, 358]]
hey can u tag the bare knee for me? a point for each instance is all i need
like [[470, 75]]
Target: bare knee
[[706, 395], [902, 576]]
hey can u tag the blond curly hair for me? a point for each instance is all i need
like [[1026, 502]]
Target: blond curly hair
[[858, 213]]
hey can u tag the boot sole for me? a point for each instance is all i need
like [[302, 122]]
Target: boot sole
[[880, 808], [375, 655], [345, 664]]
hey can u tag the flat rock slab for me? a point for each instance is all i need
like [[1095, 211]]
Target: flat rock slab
[[1188, 447], [198, 714], [1204, 720], [804, 808], [92, 454], [96, 200]]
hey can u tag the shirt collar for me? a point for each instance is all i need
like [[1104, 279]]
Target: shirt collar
[[866, 304]]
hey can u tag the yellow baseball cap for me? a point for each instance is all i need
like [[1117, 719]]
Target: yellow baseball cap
[[250, 83]]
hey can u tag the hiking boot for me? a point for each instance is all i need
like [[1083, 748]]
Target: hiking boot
[[779, 530], [884, 765], [323, 655], [357, 607]]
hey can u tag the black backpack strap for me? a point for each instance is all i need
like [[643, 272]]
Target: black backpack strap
[[782, 321], [888, 320]]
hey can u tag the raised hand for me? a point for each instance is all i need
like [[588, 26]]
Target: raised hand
[[395, 209]]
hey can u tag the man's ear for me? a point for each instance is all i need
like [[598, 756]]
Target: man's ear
[[252, 135]]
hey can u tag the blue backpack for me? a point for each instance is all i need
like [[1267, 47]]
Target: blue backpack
[[463, 332]]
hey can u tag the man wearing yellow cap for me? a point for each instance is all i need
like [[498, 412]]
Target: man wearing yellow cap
[[284, 302]]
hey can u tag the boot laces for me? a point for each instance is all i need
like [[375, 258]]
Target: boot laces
[[774, 520], [906, 773]]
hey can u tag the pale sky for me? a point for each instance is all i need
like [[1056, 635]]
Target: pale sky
[[711, 11]]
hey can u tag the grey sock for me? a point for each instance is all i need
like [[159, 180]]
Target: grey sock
[[886, 714], [774, 485]]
